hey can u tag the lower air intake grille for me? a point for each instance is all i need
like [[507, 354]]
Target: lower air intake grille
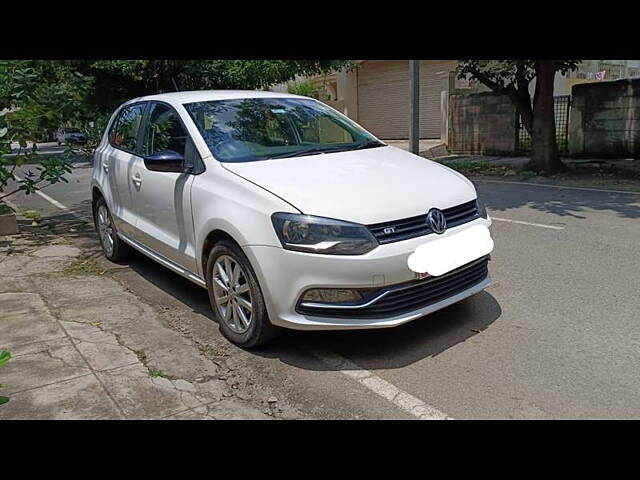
[[412, 295]]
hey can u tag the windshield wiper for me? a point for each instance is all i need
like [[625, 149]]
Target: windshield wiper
[[302, 153], [321, 150], [368, 145], [341, 148]]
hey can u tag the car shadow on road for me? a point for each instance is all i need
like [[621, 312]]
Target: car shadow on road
[[169, 282], [391, 348]]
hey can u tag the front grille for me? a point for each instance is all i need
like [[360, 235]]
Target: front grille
[[418, 226], [410, 296]]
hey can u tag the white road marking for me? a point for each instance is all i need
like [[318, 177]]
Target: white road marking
[[508, 220], [48, 198], [588, 189], [401, 399]]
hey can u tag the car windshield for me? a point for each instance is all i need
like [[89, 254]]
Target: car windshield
[[251, 129], [72, 130]]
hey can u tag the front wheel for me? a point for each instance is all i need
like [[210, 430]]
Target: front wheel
[[236, 298]]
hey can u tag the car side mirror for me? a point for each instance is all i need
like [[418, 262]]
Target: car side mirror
[[165, 161]]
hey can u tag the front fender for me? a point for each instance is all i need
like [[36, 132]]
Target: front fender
[[222, 200]]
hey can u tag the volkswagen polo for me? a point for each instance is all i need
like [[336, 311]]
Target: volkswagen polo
[[289, 213]]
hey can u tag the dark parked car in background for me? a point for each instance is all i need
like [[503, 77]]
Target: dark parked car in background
[[70, 135]]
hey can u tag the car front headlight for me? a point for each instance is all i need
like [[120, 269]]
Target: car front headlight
[[306, 233], [482, 210]]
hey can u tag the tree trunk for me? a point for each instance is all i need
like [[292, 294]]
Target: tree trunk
[[544, 148]]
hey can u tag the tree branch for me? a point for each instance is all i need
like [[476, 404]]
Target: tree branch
[[10, 193], [518, 92], [485, 80]]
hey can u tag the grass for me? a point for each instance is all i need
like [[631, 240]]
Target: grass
[[153, 373], [84, 267], [33, 215], [479, 167], [5, 356]]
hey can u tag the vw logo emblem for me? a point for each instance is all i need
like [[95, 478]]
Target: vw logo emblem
[[437, 220]]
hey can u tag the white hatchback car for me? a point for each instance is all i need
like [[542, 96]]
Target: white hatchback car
[[289, 213]]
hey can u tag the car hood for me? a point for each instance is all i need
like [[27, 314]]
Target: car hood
[[364, 186]]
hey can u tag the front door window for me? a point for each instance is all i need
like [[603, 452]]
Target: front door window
[[164, 132]]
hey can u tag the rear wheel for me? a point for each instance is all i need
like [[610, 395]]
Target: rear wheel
[[114, 248], [236, 298]]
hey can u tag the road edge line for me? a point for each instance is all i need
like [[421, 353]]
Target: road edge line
[[521, 222], [398, 397], [47, 197]]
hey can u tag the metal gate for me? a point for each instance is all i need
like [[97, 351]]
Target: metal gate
[[561, 109]]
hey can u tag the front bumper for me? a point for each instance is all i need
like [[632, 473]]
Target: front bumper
[[284, 275]]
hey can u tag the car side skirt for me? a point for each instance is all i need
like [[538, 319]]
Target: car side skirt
[[164, 261]]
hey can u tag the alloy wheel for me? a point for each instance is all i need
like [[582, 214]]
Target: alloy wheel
[[105, 229], [232, 294]]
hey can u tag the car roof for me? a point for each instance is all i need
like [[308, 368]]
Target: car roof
[[179, 98]]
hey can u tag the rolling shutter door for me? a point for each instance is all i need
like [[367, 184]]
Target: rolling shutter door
[[383, 97], [433, 79]]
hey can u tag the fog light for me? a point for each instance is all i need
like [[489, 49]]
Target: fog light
[[331, 295]]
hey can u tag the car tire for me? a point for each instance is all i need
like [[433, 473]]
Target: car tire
[[112, 246], [232, 318]]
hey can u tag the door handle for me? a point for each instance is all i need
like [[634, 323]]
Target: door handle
[[105, 166], [137, 181]]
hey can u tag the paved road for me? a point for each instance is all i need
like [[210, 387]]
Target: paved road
[[556, 336], [46, 148]]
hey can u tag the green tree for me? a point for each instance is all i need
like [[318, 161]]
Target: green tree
[[36, 98], [305, 88], [119, 80], [512, 78]]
